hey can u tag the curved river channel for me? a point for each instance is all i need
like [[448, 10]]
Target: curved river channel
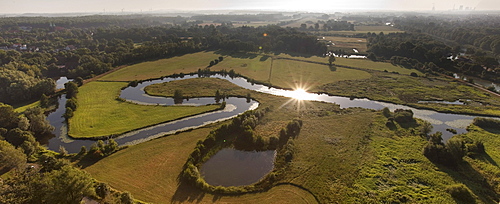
[[234, 107]]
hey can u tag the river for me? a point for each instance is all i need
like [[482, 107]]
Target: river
[[234, 107]]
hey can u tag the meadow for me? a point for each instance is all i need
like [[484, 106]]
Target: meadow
[[345, 43], [343, 156], [99, 113], [404, 89], [181, 64], [197, 87], [297, 74]]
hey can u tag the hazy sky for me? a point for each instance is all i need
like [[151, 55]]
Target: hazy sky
[[64, 6]]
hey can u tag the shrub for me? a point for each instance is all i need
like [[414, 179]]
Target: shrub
[[403, 116], [460, 192], [386, 112], [456, 148]]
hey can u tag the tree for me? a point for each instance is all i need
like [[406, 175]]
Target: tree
[[68, 114], [425, 128], [71, 89], [44, 101], [178, 97], [79, 81], [217, 96], [38, 121], [8, 117], [10, 157], [126, 198], [72, 103], [68, 185], [331, 59]]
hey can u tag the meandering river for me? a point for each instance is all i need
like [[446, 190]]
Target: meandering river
[[234, 107]]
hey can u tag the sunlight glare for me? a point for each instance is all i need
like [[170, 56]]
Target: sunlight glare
[[300, 94]]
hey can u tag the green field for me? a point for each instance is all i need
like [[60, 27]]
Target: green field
[[404, 89], [255, 66], [156, 166], [377, 29], [359, 63], [164, 67], [346, 44], [297, 74], [341, 156], [363, 30], [197, 87], [100, 114], [24, 107]]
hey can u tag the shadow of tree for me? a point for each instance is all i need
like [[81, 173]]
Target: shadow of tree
[[492, 130], [474, 180], [333, 68], [187, 192], [241, 55], [264, 58]]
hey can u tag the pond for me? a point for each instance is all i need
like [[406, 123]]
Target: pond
[[230, 167], [236, 106]]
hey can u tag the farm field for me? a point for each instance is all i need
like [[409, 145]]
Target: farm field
[[359, 63], [346, 44], [363, 30], [100, 114], [296, 74], [163, 67]]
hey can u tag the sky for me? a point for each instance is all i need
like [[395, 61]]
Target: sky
[[72, 6]]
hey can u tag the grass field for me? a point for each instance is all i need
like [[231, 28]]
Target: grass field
[[377, 29], [23, 107], [359, 63], [341, 156], [164, 67], [363, 30], [346, 44], [404, 89], [100, 114], [255, 66], [293, 74], [197, 87], [157, 164]]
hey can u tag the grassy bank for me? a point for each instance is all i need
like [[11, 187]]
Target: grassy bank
[[402, 89], [100, 114]]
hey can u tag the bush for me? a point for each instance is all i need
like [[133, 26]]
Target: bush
[[456, 148], [386, 112], [460, 192], [403, 116]]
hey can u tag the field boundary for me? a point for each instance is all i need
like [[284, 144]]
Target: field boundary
[[300, 187], [324, 63]]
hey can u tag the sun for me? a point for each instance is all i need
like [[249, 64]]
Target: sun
[[300, 94]]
